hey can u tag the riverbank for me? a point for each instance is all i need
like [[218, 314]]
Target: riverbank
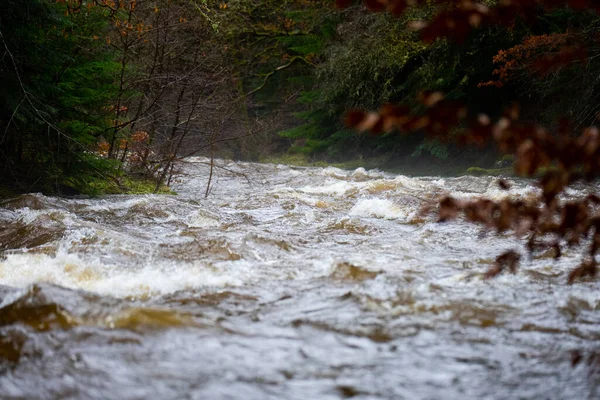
[[122, 185], [409, 166], [130, 185]]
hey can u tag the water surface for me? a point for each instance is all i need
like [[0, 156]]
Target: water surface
[[286, 283]]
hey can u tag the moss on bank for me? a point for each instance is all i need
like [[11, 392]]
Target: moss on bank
[[127, 185], [123, 185]]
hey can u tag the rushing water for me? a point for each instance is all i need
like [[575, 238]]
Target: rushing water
[[286, 283]]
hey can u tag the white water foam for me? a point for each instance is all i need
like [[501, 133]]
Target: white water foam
[[380, 208], [203, 219], [361, 175], [155, 278], [333, 189], [334, 172]]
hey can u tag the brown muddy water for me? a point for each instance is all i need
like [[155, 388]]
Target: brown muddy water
[[288, 283]]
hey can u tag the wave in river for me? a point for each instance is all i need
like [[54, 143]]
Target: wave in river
[[287, 282]]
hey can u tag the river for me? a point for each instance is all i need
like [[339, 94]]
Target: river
[[285, 283]]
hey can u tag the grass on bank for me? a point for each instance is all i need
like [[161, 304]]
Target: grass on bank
[[127, 185], [96, 188]]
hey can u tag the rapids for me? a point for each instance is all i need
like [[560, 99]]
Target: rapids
[[285, 283]]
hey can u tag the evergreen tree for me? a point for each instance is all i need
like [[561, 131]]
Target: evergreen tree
[[55, 96]]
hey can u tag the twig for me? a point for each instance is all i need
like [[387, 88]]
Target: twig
[[11, 118], [281, 67]]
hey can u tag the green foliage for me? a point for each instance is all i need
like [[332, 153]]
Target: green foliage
[[375, 59], [433, 147], [127, 185], [54, 101], [302, 44], [361, 68]]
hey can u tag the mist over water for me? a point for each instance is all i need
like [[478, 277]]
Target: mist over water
[[285, 283]]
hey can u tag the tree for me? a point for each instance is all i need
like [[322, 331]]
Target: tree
[[95, 88], [371, 58], [560, 156], [56, 80]]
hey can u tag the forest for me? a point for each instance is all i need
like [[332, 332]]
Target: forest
[[101, 94]]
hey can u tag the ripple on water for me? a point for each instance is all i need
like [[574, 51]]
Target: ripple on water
[[306, 283]]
